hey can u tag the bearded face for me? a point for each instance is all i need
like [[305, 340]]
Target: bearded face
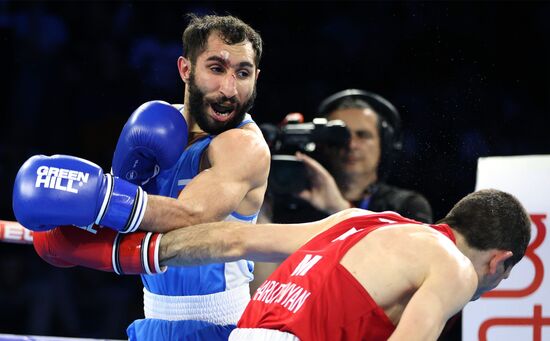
[[216, 113]]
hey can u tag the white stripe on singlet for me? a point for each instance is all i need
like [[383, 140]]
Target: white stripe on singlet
[[220, 308]]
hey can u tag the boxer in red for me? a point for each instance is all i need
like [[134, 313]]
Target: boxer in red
[[361, 275]]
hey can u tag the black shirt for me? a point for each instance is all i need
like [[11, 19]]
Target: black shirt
[[410, 204]]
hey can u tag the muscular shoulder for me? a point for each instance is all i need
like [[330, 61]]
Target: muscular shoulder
[[241, 143], [448, 264], [419, 251], [348, 214], [242, 149]]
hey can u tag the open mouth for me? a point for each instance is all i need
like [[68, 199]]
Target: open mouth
[[221, 112], [351, 159]]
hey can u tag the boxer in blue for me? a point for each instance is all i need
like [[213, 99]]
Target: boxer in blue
[[173, 166]]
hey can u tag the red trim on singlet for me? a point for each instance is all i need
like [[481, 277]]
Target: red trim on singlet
[[348, 223], [442, 228], [446, 230]]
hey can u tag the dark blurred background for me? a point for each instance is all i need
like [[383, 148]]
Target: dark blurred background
[[470, 80]]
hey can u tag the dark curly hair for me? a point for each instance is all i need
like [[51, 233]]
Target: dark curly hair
[[492, 219], [230, 29]]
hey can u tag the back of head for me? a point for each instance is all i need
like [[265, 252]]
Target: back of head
[[492, 219], [230, 29]]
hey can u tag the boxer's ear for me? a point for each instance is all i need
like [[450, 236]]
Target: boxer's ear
[[498, 257], [184, 68]]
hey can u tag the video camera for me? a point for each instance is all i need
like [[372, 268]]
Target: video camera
[[288, 175]]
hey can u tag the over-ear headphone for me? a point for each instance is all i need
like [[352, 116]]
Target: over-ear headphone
[[389, 121]]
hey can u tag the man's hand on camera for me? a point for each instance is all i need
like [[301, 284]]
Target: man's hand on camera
[[324, 193]]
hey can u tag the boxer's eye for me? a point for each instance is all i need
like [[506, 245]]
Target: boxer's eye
[[216, 69], [243, 74]]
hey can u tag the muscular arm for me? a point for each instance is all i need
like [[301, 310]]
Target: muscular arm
[[229, 241], [239, 166], [447, 287]]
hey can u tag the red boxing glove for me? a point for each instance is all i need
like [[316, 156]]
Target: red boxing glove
[[125, 254]]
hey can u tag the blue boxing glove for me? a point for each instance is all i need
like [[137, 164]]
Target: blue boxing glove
[[65, 190], [153, 139]]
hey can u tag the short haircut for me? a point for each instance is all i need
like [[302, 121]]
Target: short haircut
[[230, 29], [351, 103], [492, 219]]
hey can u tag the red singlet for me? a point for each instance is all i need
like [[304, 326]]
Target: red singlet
[[315, 298]]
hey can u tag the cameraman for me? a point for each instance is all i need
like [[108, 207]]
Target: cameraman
[[354, 176], [347, 177]]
